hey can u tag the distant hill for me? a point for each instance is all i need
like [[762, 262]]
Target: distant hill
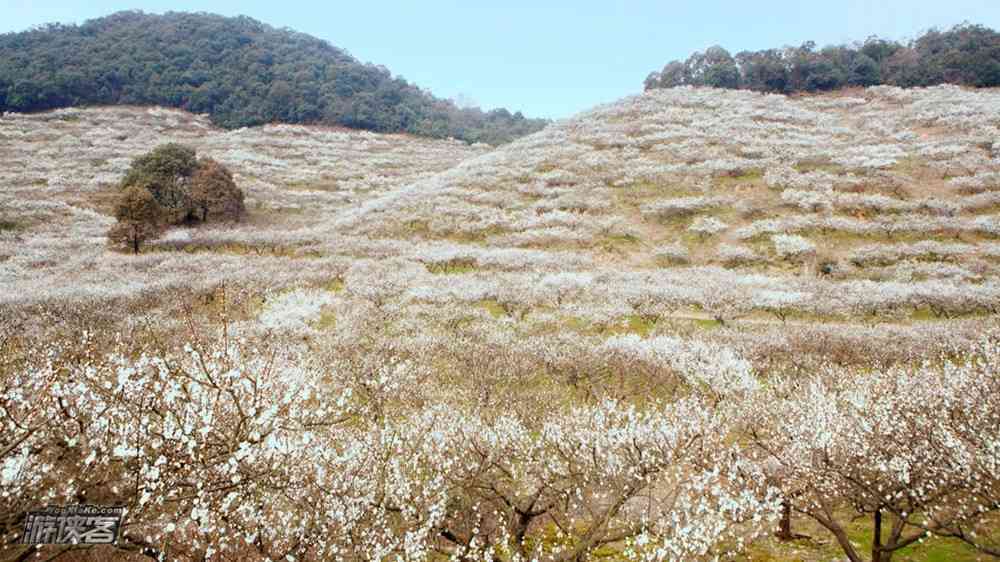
[[967, 55], [239, 71]]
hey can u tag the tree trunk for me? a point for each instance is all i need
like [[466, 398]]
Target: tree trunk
[[877, 537], [520, 530], [597, 529], [842, 539], [785, 532], [785, 527]]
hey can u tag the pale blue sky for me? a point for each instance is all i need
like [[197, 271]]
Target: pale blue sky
[[546, 58]]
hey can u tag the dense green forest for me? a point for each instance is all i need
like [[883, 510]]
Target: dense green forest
[[966, 54], [238, 70]]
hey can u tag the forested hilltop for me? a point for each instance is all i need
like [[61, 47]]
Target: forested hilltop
[[967, 54], [238, 70]]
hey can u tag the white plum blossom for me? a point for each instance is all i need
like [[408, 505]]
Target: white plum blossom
[[716, 367], [791, 246], [296, 309], [736, 255], [707, 226]]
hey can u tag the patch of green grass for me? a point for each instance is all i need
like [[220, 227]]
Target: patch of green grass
[[576, 324], [694, 239], [327, 321], [550, 539], [453, 267], [760, 553], [638, 325], [40, 182], [633, 324], [932, 549], [418, 226], [751, 175], [7, 224], [938, 550], [639, 191], [617, 239], [616, 243], [706, 324], [923, 314], [335, 286], [493, 307], [823, 547]]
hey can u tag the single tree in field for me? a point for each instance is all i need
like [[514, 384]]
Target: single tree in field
[[166, 172], [213, 192], [140, 217]]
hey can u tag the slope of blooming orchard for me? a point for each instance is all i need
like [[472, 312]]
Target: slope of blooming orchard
[[61, 170], [663, 329]]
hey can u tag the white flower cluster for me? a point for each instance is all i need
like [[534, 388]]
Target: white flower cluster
[[732, 254], [978, 183], [790, 246], [701, 364], [707, 226], [294, 310], [885, 226], [884, 254]]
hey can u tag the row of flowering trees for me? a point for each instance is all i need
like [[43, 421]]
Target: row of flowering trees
[[236, 447], [916, 450]]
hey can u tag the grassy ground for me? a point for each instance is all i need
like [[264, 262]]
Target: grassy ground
[[822, 547]]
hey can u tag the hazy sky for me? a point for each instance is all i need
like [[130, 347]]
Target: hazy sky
[[546, 58]]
